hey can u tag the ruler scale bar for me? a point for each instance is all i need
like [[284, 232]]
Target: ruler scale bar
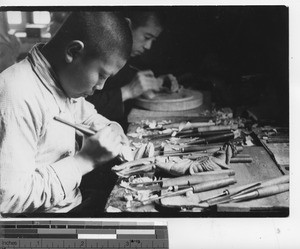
[[82, 234]]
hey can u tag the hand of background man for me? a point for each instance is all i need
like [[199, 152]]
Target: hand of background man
[[169, 82], [141, 83]]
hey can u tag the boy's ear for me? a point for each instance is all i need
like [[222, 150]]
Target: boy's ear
[[129, 22], [73, 49]]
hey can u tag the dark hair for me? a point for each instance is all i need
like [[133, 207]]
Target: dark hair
[[103, 33], [140, 18]]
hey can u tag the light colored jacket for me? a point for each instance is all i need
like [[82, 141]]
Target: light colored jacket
[[35, 173]]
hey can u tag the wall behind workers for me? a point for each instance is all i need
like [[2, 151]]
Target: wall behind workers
[[241, 52], [243, 49], [248, 38]]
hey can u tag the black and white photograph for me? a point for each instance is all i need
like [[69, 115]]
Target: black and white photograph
[[144, 111], [157, 124]]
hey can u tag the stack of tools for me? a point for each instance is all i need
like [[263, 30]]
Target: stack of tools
[[197, 129], [247, 192], [177, 186], [202, 201], [205, 139]]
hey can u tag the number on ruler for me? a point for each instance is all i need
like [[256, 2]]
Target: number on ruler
[[82, 243]]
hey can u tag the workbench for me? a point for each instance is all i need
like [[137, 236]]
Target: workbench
[[263, 167]]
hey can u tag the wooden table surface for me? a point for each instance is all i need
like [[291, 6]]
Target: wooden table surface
[[261, 168]]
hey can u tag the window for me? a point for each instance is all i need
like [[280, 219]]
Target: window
[[14, 17], [41, 17]]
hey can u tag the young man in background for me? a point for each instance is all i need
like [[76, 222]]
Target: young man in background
[[114, 100]]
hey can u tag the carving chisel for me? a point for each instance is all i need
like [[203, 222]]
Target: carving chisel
[[201, 187], [239, 190], [89, 132], [84, 130], [262, 192]]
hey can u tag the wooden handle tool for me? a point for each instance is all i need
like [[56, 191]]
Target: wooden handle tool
[[202, 134], [244, 189], [84, 130], [201, 187], [213, 139], [229, 191], [197, 178], [277, 180], [187, 125], [193, 130], [274, 181], [217, 128], [195, 148], [241, 160], [262, 192]]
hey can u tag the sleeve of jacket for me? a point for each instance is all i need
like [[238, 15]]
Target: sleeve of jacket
[[24, 187]]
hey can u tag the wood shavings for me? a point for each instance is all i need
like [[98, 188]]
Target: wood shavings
[[137, 145], [144, 151], [142, 195], [173, 140], [152, 125], [166, 131], [248, 141], [140, 152], [134, 135], [128, 197], [139, 133], [126, 185], [132, 194], [141, 180], [174, 133], [128, 205], [111, 209], [149, 150]]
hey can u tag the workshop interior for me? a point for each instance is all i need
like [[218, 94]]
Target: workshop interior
[[217, 145]]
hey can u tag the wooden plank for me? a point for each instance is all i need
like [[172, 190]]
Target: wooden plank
[[280, 153], [276, 142]]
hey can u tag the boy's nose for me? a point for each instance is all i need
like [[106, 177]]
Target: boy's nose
[[100, 85], [148, 45]]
